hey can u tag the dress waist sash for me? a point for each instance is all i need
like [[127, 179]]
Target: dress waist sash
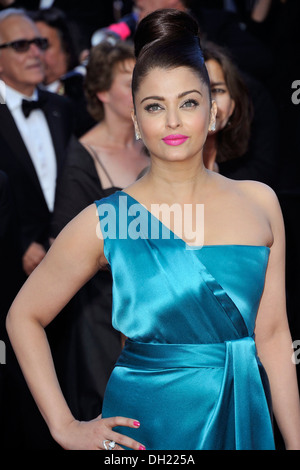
[[241, 384], [162, 356]]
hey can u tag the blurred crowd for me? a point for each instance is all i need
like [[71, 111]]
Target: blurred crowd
[[67, 139]]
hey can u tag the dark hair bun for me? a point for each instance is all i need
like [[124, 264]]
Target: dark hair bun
[[164, 24], [168, 39]]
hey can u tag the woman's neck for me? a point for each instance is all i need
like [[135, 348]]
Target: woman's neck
[[114, 135], [176, 180], [119, 133]]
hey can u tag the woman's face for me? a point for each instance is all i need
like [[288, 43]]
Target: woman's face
[[118, 99], [173, 113], [220, 93]]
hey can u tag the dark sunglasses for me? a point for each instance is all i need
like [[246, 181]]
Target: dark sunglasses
[[23, 45]]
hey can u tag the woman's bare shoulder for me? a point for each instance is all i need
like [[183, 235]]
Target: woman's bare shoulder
[[259, 193], [83, 234], [254, 191], [259, 196]]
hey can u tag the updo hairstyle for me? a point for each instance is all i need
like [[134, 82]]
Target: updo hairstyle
[[168, 39]]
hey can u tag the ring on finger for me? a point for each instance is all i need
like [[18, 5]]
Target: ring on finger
[[108, 444]]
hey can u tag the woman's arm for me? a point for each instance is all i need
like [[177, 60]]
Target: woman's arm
[[272, 334], [72, 260]]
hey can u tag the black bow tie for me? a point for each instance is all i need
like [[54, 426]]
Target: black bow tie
[[28, 106]]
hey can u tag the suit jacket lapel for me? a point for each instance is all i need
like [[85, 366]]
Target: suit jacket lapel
[[12, 136]]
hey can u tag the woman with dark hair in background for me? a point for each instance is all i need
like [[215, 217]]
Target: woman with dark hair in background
[[53, 24], [189, 376], [245, 143], [234, 111], [64, 74]]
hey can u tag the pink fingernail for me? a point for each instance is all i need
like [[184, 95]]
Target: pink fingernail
[[142, 448], [136, 423]]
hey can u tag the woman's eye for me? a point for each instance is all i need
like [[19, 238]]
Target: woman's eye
[[190, 104], [151, 108], [219, 91]]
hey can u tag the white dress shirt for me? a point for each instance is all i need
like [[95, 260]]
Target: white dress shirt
[[37, 138]]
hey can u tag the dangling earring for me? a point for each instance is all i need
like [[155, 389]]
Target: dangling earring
[[213, 115]]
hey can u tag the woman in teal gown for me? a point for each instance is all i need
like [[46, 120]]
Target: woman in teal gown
[[197, 262], [190, 316]]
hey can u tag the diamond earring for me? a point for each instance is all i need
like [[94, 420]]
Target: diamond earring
[[213, 127], [137, 135]]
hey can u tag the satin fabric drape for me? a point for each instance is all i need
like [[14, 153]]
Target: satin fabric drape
[[189, 371]]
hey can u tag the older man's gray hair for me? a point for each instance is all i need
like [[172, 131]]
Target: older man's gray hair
[[12, 12]]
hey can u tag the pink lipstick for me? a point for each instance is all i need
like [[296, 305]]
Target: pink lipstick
[[175, 139]]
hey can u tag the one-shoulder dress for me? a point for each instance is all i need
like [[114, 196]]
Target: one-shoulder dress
[[189, 371]]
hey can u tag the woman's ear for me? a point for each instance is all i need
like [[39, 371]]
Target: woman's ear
[[213, 114], [103, 96]]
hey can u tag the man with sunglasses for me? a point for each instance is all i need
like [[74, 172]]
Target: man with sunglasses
[[33, 141]]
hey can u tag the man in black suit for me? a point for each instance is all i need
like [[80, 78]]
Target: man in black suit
[[32, 150], [33, 142]]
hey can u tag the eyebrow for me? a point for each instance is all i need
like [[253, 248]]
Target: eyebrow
[[217, 83], [161, 98]]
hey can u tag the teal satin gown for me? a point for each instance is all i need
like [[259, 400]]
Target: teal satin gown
[[189, 371]]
